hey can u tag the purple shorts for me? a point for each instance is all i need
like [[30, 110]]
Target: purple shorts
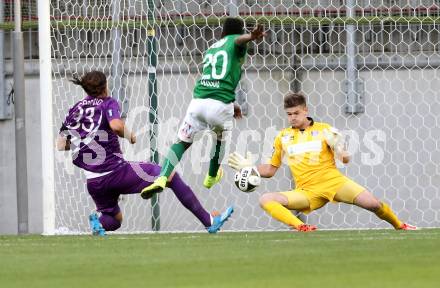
[[129, 178]]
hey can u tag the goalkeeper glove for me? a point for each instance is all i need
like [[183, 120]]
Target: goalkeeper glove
[[334, 140], [238, 162]]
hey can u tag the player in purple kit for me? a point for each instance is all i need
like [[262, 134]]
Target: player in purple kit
[[90, 130]]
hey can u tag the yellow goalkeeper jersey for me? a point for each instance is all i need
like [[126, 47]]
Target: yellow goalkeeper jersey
[[310, 159]]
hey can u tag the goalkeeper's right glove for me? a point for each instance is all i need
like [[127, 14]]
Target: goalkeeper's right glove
[[238, 162]]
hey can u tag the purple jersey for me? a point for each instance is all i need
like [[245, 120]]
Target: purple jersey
[[95, 146]]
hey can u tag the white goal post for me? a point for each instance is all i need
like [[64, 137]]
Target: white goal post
[[46, 106]]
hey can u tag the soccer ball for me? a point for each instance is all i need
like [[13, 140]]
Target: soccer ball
[[247, 179]]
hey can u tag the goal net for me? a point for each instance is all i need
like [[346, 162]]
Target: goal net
[[369, 68]]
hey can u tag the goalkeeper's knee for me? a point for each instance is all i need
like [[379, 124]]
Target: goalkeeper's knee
[[273, 196], [367, 201]]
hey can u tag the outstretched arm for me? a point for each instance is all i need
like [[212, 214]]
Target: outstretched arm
[[256, 34], [118, 126], [267, 170], [238, 162]]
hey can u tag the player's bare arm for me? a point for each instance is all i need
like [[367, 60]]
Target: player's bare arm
[[256, 34], [118, 126], [237, 111], [238, 162], [267, 170], [63, 144]]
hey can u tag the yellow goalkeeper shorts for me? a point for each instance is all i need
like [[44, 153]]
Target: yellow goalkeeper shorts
[[309, 198]]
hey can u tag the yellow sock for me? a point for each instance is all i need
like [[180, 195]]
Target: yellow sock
[[385, 213], [281, 213]]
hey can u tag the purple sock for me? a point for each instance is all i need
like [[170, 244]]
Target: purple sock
[[109, 223], [186, 196]]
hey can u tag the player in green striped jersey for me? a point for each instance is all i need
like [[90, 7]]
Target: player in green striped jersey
[[212, 106]]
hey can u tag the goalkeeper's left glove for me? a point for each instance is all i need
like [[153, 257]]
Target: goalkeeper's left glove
[[238, 162], [334, 140]]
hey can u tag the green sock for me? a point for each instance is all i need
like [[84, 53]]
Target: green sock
[[174, 155], [214, 164]]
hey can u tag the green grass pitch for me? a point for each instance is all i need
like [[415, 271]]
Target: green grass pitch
[[369, 258]]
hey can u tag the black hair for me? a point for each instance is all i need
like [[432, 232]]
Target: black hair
[[94, 83], [232, 26]]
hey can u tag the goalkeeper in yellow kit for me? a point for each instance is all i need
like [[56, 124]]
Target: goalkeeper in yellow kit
[[310, 149]]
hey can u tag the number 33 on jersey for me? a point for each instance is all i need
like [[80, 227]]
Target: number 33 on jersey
[[221, 70]]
